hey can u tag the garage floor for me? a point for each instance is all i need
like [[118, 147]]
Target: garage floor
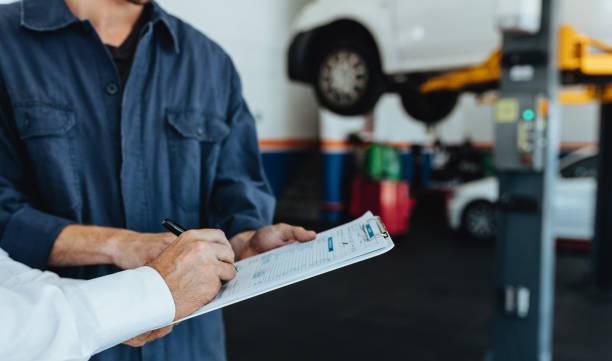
[[427, 299]]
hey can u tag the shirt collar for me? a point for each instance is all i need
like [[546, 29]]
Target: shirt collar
[[46, 15], [51, 15], [170, 24]]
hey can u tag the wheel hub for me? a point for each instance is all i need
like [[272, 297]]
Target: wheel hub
[[480, 222], [343, 77]]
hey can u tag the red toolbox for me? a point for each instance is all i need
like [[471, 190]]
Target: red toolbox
[[389, 199]]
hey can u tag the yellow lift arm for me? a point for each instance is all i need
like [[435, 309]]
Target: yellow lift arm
[[575, 55], [459, 80]]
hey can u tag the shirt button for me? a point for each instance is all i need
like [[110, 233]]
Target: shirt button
[[200, 131], [112, 88]]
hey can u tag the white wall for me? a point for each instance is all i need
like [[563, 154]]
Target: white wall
[[257, 34], [471, 119]]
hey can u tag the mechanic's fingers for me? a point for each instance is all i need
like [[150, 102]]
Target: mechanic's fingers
[[304, 235], [293, 233], [226, 271]]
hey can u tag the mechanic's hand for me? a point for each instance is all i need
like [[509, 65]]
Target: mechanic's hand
[[267, 238], [134, 249], [141, 340], [194, 266]]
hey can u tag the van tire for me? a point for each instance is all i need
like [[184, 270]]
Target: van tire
[[429, 108], [478, 221], [348, 78]]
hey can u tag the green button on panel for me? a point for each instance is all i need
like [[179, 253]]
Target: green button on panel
[[528, 115]]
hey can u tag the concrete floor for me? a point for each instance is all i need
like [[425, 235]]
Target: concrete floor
[[427, 299]]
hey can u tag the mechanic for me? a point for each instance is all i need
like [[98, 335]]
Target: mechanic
[[113, 116]]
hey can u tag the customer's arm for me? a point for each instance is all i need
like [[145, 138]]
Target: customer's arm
[[48, 318], [45, 317]]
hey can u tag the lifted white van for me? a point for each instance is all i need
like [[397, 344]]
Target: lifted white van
[[352, 51]]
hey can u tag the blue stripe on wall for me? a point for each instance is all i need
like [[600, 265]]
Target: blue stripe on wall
[[280, 167], [335, 172], [407, 170]]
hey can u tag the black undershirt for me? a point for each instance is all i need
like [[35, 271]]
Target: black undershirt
[[123, 55]]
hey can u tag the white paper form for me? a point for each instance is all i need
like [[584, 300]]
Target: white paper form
[[338, 247]]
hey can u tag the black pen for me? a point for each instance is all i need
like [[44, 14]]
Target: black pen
[[173, 227], [176, 229]]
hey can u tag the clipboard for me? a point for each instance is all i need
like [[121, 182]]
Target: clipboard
[[372, 224], [356, 241]]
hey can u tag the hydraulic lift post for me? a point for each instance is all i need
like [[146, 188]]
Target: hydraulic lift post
[[526, 73], [601, 256], [525, 155]]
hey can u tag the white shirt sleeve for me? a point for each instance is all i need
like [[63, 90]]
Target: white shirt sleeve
[[45, 317]]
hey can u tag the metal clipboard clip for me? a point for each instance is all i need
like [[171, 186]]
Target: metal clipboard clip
[[374, 227]]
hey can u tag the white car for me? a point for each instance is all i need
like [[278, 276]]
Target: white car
[[352, 51], [470, 207]]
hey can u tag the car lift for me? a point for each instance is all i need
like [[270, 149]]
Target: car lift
[[524, 72], [576, 61]]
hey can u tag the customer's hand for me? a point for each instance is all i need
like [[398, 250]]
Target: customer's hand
[[194, 266], [133, 249], [251, 243]]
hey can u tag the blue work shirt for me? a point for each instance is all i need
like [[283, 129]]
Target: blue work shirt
[[76, 147]]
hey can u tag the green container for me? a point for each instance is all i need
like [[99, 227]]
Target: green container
[[383, 163], [487, 164]]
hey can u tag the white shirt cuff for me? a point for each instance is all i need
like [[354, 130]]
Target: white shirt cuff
[[125, 305]]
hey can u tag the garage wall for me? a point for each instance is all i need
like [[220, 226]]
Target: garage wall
[[471, 119]]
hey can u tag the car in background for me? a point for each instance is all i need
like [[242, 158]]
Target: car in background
[[471, 206], [352, 51]]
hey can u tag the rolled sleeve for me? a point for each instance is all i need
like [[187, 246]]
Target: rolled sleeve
[[30, 234]]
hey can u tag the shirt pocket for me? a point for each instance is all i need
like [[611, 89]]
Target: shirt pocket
[[193, 142], [47, 132]]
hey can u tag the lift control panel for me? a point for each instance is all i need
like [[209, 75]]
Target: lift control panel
[[521, 132]]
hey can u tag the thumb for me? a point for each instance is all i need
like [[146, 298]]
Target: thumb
[[293, 233]]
